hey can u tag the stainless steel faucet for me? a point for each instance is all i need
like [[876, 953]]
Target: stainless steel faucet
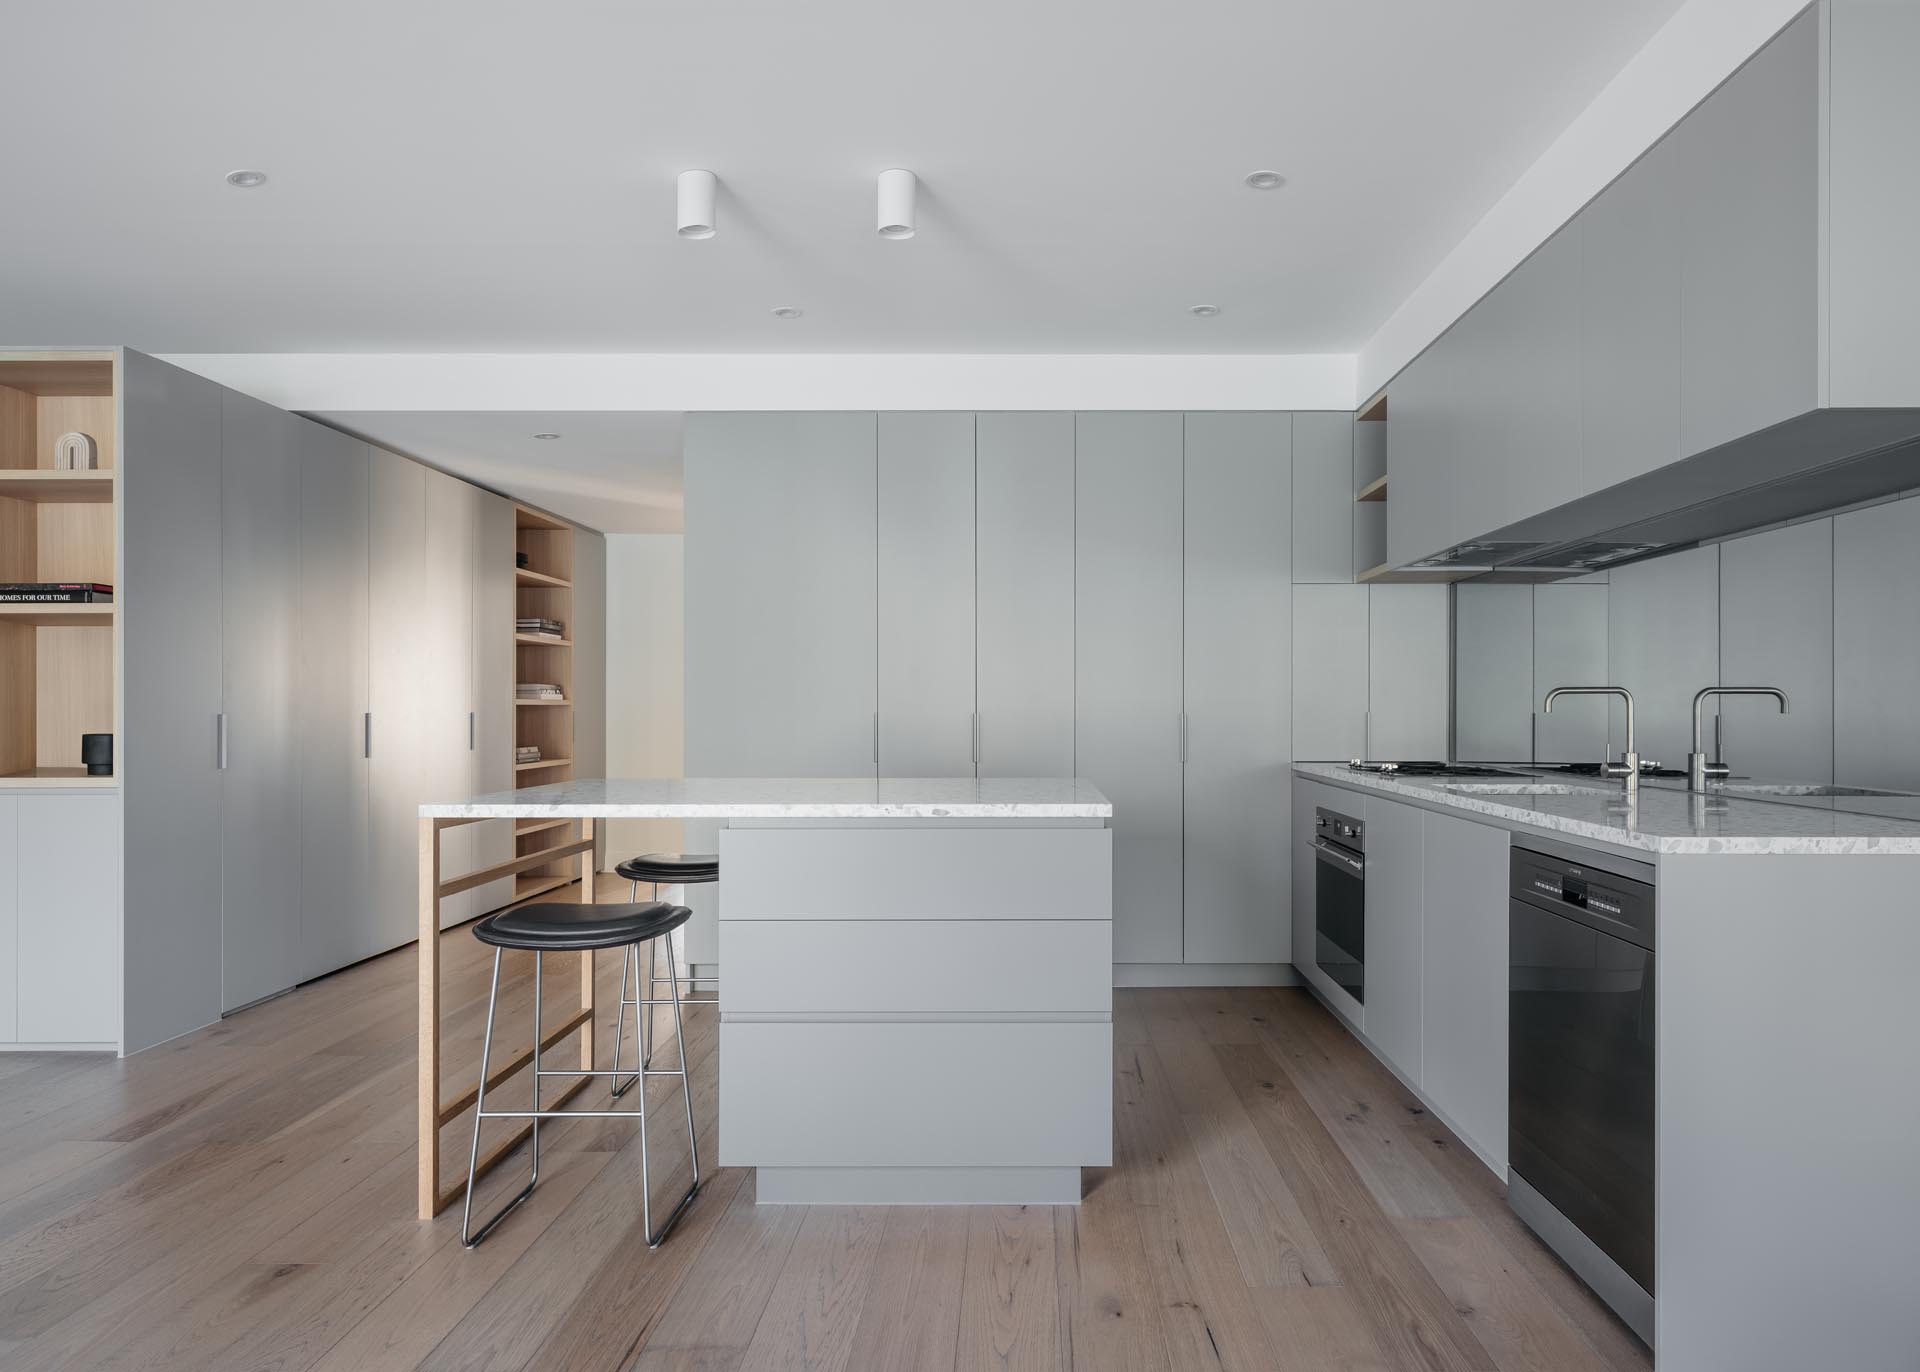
[[1699, 770], [1628, 768]]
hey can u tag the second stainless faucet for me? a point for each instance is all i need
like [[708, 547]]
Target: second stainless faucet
[[1628, 768], [1699, 770]]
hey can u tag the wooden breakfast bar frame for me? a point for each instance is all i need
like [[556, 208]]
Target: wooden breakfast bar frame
[[436, 1111]]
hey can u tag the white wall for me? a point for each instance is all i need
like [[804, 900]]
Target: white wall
[[645, 630]]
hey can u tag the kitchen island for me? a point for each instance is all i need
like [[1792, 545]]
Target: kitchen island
[[917, 1003], [1779, 1029]]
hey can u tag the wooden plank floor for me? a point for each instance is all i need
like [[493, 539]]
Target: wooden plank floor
[[242, 1198]]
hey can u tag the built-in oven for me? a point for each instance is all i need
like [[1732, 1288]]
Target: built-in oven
[[1580, 1062], [1340, 900]]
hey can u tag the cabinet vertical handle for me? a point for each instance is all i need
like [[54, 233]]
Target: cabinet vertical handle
[[1183, 738], [976, 738], [470, 731], [366, 734], [876, 738], [220, 735]]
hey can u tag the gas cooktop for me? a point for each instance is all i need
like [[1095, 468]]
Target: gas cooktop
[[1429, 769]]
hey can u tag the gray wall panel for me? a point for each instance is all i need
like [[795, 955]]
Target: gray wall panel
[[1493, 673], [1663, 635], [1776, 629]]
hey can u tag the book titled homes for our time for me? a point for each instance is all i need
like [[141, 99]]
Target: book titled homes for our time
[[56, 592]]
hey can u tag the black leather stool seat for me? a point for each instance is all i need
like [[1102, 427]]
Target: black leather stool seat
[[671, 869], [568, 928]]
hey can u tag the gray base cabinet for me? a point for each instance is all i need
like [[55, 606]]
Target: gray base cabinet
[[60, 919], [1395, 914], [1463, 979]]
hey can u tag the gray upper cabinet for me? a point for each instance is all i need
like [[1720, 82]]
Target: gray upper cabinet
[[780, 594], [1776, 629], [170, 783], [1023, 573], [1238, 646], [926, 594], [1876, 646], [1419, 458], [1534, 359], [1323, 508], [1749, 231], [1408, 699], [396, 730], [260, 450], [1127, 715], [336, 926], [1629, 319], [1329, 673]]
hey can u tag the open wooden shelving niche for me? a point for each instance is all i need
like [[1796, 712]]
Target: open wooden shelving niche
[[59, 663], [544, 587]]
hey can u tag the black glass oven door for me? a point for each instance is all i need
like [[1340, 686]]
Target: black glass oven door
[[1340, 918]]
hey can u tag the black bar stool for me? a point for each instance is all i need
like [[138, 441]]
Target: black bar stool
[[558, 928], [657, 870]]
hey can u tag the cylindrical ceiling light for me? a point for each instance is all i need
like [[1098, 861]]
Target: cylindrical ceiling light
[[696, 203], [897, 187]]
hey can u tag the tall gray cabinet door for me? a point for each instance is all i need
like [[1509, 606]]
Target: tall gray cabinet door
[[1323, 508], [1749, 288], [1570, 649], [260, 637], [1531, 384], [1408, 642], [1023, 576], [1463, 980], [1876, 646], [1776, 629], [490, 692], [336, 924], [1127, 631], [1630, 323], [1329, 673], [1493, 673], [170, 783], [448, 724], [1421, 455], [397, 668], [780, 570], [1239, 641], [926, 594]]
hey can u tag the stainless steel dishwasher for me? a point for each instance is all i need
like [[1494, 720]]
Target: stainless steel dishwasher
[[1580, 1062]]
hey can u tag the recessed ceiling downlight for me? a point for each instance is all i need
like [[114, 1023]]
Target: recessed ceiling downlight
[[1203, 311], [546, 436], [246, 178], [787, 312], [1264, 180]]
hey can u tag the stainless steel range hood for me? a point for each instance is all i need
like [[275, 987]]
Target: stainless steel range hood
[[1820, 461]]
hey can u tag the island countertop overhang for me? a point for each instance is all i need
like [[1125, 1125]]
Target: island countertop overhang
[[935, 798]]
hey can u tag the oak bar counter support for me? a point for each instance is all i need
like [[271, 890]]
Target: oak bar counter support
[[435, 1113]]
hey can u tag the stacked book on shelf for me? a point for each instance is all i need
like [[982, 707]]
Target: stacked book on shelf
[[55, 592], [526, 752], [538, 690], [535, 624]]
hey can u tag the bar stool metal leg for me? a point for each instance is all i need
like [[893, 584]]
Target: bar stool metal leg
[[653, 984], [468, 1237], [656, 1238], [629, 983], [620, 1015]]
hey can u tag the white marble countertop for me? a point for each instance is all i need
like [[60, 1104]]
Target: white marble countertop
[[1663, 820], [788, 798]]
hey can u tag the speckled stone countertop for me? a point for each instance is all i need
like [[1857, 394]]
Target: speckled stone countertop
[[1665, 819], [788, 798]]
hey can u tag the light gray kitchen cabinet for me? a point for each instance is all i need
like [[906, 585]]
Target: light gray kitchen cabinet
[[1493, 673], [1463, 977], [1776, 629], [1395, 877], [1663, 644], [1408, 650], [589, 657], [1237, 654], [1750, 236], [1569, 649], [10, 919], [926, 594], [1329, 673], [331, 703], [443, 616], [398, 773], [1127, 633], [170, 782], [1023, 571], [1420, 456], [69, 894], [1876, 646], [1323, 509], [1629, 323], [780, 599], [259, 761], [1532, 454], [490, 689]]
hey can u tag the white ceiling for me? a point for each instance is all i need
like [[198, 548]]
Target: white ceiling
[[614, 471], [493, 176]]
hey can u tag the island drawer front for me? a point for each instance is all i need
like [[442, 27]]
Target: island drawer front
[[929, 966], [1028, 872], [916, 1094]]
